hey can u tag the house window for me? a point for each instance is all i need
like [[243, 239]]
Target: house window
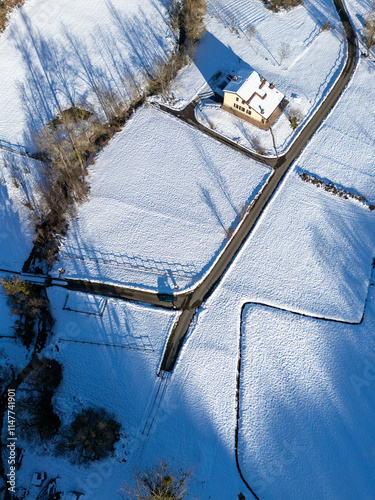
[[235, 105], [247, 111], [243, 102], [236, 98], [242, 109]]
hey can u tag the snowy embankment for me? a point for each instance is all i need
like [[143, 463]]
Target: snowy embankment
[[288, 48], [163, 196]]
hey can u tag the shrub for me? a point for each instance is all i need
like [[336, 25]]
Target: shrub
[[295, 117], [37, 419], [251, 31], [6, 6], [73, 114], [277, 5], [46, 375], [369, 33], [90, 437], [29, 302], [159, 484], [15, 287]]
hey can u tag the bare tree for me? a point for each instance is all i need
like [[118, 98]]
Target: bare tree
[[369, 34], [251, 31], [232, 23], [164, 73], [258, 146], [159, 484], [90, 437], [284, 52], [193, 13]]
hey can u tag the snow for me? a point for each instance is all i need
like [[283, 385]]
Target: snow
[[306, 400], [306, 396], [306, 405], [162, 197], [15, 231], [109, 361], [342, 150], [96, 41], [310, 252], [244, 133], [315, 61], [305, 76]]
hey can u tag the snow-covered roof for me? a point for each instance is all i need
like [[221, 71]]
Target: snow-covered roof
[[256, 91]]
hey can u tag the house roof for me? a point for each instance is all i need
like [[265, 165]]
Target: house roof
[[256, 91]]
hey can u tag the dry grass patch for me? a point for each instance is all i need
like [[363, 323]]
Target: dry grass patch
[[277, 5], [6, 7]]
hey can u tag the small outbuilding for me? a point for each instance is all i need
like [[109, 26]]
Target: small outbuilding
[[249, 96]]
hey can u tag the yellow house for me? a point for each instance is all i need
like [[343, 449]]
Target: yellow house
[[252, 98]]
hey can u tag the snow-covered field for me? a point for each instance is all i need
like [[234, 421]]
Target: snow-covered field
[[109, 361], [63, 50], [306, 403], [307, 406], [343, 148], [15, 231], [162, 197], [312, 253]]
